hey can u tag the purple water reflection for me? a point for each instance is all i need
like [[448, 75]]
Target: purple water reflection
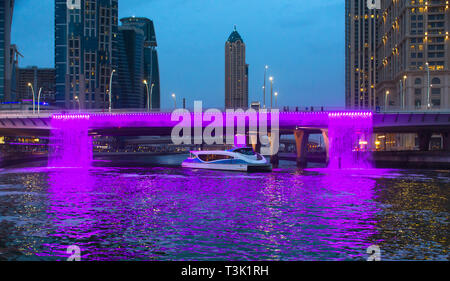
[[195, 215], [177, 214], [350, 136]]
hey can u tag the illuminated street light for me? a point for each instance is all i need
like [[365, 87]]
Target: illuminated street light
[[386, 101], [276, 95], [78, 101], [174, 100], [264, 87], [110, 88], [271, 90], [149, 95], [39, 100], [404, 92], [32, 90]]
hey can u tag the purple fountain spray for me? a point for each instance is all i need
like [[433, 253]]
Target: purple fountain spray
[[70, 143], [350, 136]]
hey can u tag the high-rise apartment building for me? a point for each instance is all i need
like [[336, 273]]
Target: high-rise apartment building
[[414, 55], [150, 57], [38, 77], [361, 36], [236, 72], [6, 52], [86, 34]]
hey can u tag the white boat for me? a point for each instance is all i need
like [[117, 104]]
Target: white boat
[[236, 159]]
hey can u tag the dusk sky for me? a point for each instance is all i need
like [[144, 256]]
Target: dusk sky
[[301, 40]]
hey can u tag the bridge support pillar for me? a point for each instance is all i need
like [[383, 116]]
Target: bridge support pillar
[[326, 141], [446, 141], [274, 140], [253, 141], [301, 143], [424, 140], [274, 160]]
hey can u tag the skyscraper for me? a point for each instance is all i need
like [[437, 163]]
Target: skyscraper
[[414, 55], [85, 51], [361, 38], [150, 67], [6, 52], [236, 72], [130, 70]]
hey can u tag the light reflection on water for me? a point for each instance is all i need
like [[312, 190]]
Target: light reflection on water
[[177, 214]]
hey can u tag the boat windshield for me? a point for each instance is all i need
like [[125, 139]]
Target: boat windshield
[[245, 151], [214, 157]]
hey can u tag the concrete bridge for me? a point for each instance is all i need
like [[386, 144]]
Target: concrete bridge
[[301, 124], [159, 123]]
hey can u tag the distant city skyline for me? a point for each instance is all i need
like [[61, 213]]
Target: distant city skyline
[[303, 47]]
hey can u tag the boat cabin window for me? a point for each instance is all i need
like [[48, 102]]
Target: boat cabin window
[[245, 151], [213, 157]]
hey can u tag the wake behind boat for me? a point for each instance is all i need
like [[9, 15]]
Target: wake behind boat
[[236, 159]]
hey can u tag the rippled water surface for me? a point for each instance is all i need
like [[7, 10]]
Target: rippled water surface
[[177, 214]]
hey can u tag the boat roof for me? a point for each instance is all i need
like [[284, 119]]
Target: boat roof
[[236, 148], [220, 151]]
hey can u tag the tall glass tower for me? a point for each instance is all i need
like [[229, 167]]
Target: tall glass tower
[[151, 67], [130, 71], [86, 33], [6, 53], [236, 72]]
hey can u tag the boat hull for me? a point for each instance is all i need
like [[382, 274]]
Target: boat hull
[[228, 167], [237, 159]]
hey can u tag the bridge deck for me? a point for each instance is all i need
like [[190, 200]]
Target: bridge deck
[[163, 122]]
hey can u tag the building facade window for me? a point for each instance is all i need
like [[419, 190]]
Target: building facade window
[[436, 81]]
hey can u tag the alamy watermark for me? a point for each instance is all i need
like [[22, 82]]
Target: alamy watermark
[[374, 4], [74, 252], [374, 252], [74, 4], [220, 125]]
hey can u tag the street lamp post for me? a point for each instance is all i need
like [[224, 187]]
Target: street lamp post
[[264, 87], [404, 91], [276, 95], [174, 100], [110, 88], [39, 100], [405, 88], [386, 101], [32, 90], [78, 101], [151, 96], [148, 95], [428, 85], [271, 90]]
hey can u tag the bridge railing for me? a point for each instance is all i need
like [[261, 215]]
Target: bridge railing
[[410, 109], [380, 110]]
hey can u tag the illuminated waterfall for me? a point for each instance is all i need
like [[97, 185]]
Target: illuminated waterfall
[[350, 135], [70, 145]]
